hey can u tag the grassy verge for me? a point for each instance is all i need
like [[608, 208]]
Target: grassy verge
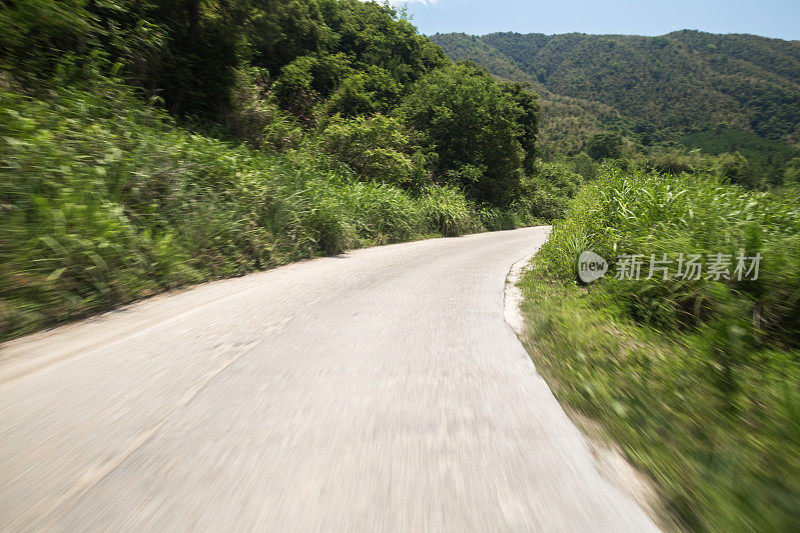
[[698, 382], [104, 200]]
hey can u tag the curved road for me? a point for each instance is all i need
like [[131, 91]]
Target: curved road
[[377, 390]]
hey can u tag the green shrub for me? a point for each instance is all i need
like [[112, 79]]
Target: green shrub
[[447, 211], [547, 193], [475, 127], [643, 213], [377, 148], [256, 119], [495, 218], [364, 93]]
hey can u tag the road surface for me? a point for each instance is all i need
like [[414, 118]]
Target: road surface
[[377, 390]]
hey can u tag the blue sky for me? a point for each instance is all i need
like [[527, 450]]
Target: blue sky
[[771, 18]]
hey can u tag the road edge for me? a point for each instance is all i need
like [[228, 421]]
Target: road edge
[[609, 458]]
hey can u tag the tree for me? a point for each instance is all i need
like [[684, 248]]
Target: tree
[[375, 34], [365, 93], [528, 120], [377, 148], [473, 126], [280, 32], [792, 173], [738, 170], [307, 80], [604, 146]]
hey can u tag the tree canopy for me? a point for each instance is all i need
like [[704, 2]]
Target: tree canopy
[[356, 74], [476, 127]]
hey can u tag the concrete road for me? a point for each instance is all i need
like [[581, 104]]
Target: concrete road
[[378, 390]]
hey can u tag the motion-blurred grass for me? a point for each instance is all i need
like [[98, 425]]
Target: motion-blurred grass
[[699, 381]]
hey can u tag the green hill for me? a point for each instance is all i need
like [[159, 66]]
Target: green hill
[[680, 79]]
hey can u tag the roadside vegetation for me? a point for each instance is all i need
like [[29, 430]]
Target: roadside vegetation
[[146, 146], [697, 380]]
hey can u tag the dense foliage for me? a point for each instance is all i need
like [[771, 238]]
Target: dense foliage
[[475, 127], [147, 145], [314, 61], [697, 379]]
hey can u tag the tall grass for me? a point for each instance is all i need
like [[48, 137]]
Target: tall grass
[[698, 380], [636, 212]]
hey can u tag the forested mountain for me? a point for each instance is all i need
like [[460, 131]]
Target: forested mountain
[[682, 80]]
